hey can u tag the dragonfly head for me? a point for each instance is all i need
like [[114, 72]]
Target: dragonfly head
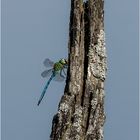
[[63, 61]]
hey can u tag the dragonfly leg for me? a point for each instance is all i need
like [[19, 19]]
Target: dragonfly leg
[[61, 73], [64, 72], [64, 76], [65, 66]]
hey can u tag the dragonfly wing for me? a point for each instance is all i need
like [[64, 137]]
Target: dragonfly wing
[[46, 73], [48, 63], [59, 78]]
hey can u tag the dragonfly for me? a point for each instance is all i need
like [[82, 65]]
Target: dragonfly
[[56, 71]]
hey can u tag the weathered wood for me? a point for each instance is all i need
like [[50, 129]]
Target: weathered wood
[[81, 110]]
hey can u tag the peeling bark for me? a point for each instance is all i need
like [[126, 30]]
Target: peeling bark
[[81, 110]]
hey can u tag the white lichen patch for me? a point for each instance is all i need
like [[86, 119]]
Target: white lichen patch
[[64, 107], [102, 93], [90, 129], [100, 47], [94, 103], [93, 120], [97, 58], [77, 137], [78, 111], [100, 133], [76, 126]]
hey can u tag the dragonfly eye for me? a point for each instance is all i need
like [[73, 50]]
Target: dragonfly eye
[[63, 61]]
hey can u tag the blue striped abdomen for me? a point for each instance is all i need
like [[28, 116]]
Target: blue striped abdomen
[[45, 88]]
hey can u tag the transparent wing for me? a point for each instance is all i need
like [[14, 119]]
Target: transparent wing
[[46, 73], [59, 78], [48, 63]]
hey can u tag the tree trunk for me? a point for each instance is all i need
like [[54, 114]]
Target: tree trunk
[[81, 110]]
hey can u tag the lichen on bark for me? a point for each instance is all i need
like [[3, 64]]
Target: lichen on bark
[[81, 113]]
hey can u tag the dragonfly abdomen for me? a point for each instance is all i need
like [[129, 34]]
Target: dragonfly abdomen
[[45, 88]]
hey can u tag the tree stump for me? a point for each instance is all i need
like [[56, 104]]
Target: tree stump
[[81, 113]]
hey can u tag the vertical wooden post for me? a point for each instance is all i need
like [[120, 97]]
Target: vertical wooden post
[[81, 110]]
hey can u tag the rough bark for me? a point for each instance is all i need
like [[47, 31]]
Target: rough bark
[[81, 110]]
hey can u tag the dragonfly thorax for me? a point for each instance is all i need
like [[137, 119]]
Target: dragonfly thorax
[[58, 66]]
